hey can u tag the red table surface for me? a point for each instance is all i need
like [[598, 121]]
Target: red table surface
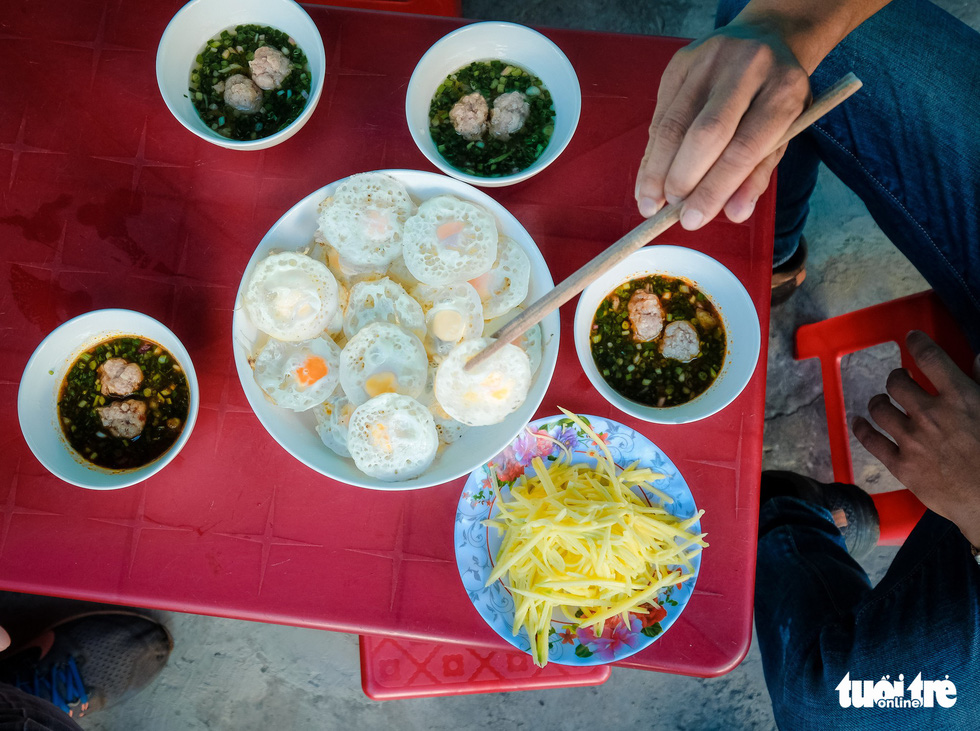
[[107, 201]]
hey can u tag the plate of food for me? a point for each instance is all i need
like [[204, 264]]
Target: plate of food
[[580, 542], [359, 309]]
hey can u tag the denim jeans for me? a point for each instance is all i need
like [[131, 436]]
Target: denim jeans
[[20, 711], [818, 619], [908, 144]]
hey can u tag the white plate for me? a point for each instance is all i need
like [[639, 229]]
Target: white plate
[[295, 432], [477, 545]]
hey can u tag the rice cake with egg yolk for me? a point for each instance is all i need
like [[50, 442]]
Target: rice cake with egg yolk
[[364, 220], [382, 300], [529, 341], [332, 420], [488, 393], [291, 296], [447, 427], [382, 358], [298, 376], [392, 437], [449, 241], [505, 286], [453, 312]]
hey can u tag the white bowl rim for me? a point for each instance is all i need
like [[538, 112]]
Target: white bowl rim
[[743, 333], [34, 374], [563, 65], [316, 89], [540, 382]]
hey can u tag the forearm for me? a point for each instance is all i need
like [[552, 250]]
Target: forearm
[[810, 28]]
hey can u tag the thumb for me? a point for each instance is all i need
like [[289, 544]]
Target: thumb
[[976, 369]]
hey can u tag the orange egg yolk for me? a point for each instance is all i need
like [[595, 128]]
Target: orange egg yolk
[[450, 235], [313, 369], [380, 439], [379, 383], [448, 325]]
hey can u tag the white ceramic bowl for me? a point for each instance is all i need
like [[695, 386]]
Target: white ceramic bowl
[[509, 42], [725, 292], [37, 399], [295, 431], [199, 21]]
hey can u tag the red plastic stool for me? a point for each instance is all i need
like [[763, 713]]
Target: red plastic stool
[[832, 339], [392, 669], [448, 8]]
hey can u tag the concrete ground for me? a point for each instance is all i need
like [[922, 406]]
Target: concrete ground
[[226, 674]]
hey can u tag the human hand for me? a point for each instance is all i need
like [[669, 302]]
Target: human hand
[[934, 448], [723, 102]]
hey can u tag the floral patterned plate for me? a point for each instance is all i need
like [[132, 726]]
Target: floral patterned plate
[[477, 545]]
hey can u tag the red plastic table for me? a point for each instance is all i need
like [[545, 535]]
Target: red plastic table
[[106, 201]]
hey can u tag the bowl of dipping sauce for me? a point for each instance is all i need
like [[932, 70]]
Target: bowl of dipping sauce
[[108, 399], [493, 104], [669, 335], [241, 74]]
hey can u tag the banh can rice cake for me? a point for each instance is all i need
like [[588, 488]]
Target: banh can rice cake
[[401, 289]]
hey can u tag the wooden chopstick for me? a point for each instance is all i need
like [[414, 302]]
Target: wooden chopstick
[[643, 234]]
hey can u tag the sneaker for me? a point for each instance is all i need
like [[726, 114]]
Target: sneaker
[[788, 276], [89, 661], [852, 509]]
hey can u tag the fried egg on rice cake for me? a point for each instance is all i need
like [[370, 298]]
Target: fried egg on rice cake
[[382, 300], [363, 220], [488, 393], [505, 285], [392, 437], [453, 312], [291, 296], [382, 358], [298, 376], [449, 241]]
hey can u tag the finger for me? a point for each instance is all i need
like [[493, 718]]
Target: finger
[[888, 418], [710, 132], [649, 187], [766, 120], [742, 203], [904, 391], [935, 365], [880, 446], [667, 134]]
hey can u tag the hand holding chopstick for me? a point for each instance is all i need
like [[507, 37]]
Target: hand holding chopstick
[[644, 234]]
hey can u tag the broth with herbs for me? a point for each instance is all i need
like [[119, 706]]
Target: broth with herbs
[[249, 82], [491, 118], [123, 403], [658, 341]]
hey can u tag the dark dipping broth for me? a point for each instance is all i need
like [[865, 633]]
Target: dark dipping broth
[[228, 54], [638, 370], [489, 157], [163, 390]]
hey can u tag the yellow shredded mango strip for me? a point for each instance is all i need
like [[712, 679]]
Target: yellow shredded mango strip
[[578, 539]]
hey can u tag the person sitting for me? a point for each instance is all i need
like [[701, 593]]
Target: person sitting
[[908, 145]]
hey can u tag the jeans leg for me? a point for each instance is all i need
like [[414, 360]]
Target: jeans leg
[[908, 143], [20, 711], [818, 619]]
